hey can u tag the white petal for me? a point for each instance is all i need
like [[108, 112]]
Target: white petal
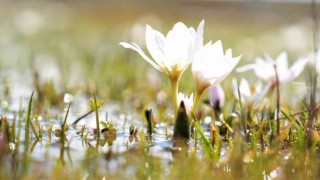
[[282, 61], [282, 65], [155, 44], [211, 66], [144, 56], [235, 88], [245, 88], [258, 95], [178, 46], [217, 50], [269, 60], [294, 71], [200, 58], [245, 68], [229, 53], [264, 69], [199, 37], [188, 100]]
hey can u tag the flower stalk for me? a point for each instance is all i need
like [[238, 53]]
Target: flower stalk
[[197, 97], [174, 92]]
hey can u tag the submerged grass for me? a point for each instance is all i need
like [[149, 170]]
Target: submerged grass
[[222, 149]]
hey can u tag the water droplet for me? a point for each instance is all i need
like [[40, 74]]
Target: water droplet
[[274, 174], [67, 98], [218, 123], [122, 116], [286, 157], [247, 158], [4, 104], [207, 120]]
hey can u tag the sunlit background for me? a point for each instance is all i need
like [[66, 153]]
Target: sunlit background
[[73, 46]]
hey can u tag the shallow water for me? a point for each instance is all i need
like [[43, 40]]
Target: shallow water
[[77, 50]]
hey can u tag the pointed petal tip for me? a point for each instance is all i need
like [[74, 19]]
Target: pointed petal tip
[[201, 24], [148, 26], [245, 68], [125, 45], [218, 42], [239, 57]]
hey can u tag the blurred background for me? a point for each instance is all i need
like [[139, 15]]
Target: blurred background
[[60, 48]]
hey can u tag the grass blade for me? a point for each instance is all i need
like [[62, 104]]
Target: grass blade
[[97, 114], [28, 123]]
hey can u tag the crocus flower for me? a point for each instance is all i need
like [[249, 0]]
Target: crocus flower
[[173, 53], [249, 95], [188, 101], [211, 66], [265, 68], [216, 97]]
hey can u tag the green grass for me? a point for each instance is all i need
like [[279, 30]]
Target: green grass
[[84, 46]]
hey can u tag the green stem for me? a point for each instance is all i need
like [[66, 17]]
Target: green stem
[[196, 100], [174, 91], [97, 116]]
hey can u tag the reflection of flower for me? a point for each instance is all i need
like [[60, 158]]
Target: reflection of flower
[[216, 97], [188, 101], [264, 68], [210, 66], [174, 53], [249, 95], [171, 54]]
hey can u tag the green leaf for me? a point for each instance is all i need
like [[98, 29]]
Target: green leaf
[[104, 124], [182, 125], [95, 104], [26, 149], [50, 131], [148, 114]]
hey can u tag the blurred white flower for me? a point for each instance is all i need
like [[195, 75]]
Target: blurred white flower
[[175, 52], [264, 68], [67, 98], [216, 97], [29, 22], [249, 95], [188, 101], [212, 65]]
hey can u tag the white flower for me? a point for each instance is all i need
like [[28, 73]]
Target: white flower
[[264, 68], [249, 95], [211, 65], [175, 52], [188, 101], [216, 96]]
